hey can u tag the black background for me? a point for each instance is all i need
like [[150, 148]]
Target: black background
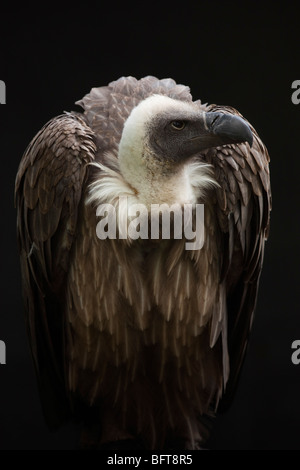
[[241, 54]]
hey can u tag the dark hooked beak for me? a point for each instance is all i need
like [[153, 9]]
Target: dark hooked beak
[[221, 129], [228, 128]]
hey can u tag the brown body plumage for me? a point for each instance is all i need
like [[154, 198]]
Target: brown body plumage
[[146, 334]]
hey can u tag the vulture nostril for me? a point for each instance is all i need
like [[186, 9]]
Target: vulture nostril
[[215, 119]]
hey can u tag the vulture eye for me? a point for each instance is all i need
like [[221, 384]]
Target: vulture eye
[[178, 125]]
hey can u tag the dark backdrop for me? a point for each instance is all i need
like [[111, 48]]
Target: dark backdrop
[[239, 54]]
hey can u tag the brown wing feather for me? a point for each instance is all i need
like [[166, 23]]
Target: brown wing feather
[[48, 191], [243, 207]]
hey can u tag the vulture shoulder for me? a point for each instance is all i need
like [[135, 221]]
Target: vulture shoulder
[[48, 190], [243, 205]]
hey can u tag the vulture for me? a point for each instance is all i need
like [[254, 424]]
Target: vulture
[[139, 339]]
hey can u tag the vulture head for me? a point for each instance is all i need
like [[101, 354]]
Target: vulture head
[[162, 135]]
